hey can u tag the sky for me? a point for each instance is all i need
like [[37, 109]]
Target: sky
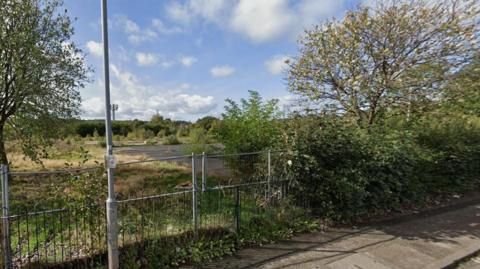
[[183, 58]]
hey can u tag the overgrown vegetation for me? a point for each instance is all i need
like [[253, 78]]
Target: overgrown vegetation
[[171, 251], [392, 121], [348, 172], [251, 126], [395, 121]]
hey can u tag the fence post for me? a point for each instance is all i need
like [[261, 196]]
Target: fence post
[[269, 174], [204, 171], [237, 210], [5, 218], [194, 199]]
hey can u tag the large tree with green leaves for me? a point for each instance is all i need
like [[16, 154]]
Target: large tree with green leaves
[[397, 56], [41, 70]]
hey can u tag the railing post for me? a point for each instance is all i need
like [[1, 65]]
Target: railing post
[[204, 171], [269, 174], [194, 199], [5, 218], [237, 210]]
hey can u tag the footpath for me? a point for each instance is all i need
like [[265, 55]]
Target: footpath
[[437, 238]]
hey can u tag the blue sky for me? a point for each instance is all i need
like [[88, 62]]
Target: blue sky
[[184, 58]]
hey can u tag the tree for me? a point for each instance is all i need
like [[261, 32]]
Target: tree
[[251, 126], [41, 71], [396, 56], [463, 92], [157, 119], [207, 122]]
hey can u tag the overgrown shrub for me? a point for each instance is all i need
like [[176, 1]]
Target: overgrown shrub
[[199, 136], [171, 140], [161, 133], [199, 140], [175, 250], [346, 172], [182, 132], [253, 125], [140, 133], [450, 149]]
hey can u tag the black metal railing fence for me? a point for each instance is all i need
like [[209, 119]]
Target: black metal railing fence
[[57, 219]]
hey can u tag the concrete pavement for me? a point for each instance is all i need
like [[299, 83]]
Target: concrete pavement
[[436, 239]]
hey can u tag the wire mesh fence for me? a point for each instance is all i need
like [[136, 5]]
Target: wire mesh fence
[[236, 168], [58, 220], [153, 177]]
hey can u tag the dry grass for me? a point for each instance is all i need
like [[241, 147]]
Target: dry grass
[[150, 178], [63, 155], [131, 180]]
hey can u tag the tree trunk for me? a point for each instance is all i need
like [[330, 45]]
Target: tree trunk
[[371, 118], [3, 152]]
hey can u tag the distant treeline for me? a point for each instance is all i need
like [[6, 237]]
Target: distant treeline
[[157, 126], [86, 128]]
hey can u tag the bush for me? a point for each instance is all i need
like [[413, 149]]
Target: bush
[[450, 151], [161, 133], [346, 172], [103, 144], [141, 134], [198, 136], [171, 140], [199, 149], [254, 125], [182, 132], [87, 128]]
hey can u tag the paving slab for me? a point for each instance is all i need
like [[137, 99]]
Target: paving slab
[[357, 261], [426, 241]]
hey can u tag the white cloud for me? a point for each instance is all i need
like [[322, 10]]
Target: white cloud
[[145, 59], [140, 100], [311, 12], [178, 12], [166, 64], [177, 104], [147, 35], [130, 26], [121, 54], [160, 27], [222, 71], [188, 61], [185, 86], [262, 20], [93, 107], [212, 10], [95, 48], [289, 103], [136, 34], [277, 64], [259, 20]]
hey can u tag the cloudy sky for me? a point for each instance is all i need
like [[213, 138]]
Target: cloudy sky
[[183, 58]]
